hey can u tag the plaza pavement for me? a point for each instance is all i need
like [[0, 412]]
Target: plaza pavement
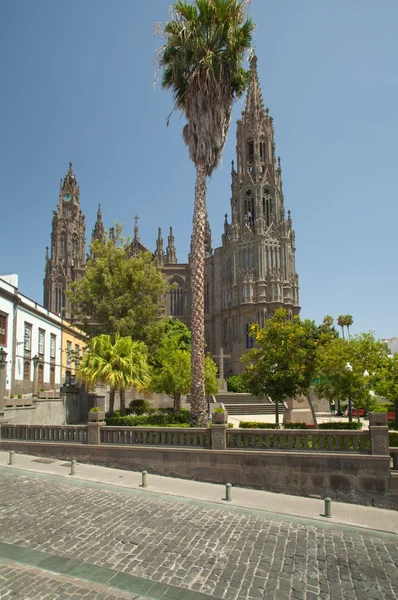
[[98, 535]]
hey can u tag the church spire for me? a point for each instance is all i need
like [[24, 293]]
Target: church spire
[[159, 253], [171, 254], [98, 231], [136, 236], [254, 108]]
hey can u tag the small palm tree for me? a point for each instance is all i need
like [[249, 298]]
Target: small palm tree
[[202, 61], [121, 365]]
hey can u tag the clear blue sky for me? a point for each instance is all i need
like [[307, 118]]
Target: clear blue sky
[[77, 85]]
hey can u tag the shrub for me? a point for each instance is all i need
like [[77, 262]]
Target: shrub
[[153, 420], [237, 384], [42, 389], [94, 409], [256, 425], [12, 396], [219, 411], [393, 439], [139, 406], [19, 396], [294, 425], [384, 407], [340, 425], [393, 425]]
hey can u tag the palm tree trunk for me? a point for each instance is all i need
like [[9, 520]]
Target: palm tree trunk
[[342, 331], [198, 404], [112, 402], [122, 403], [177, 402]]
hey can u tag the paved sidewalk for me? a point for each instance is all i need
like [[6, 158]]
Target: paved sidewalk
[[376, 519]]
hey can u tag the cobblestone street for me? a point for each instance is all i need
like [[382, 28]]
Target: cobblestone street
[[217, 551]]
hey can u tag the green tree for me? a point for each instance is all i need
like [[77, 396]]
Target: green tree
[[282, 365], [363, 353], [237, 384], [119, 293], [172, 364], [385, 379], [121, 365], [205, 44]]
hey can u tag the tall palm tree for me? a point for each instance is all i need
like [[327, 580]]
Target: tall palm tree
[[348, 322], [121, 365], [341, 323], [202, 61]]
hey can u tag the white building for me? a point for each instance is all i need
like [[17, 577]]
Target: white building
[[392, 343], [28, 331]]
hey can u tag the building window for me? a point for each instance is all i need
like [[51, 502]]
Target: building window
[[249, 339], [28, 338], [176, 302], [250, 148], [52, 376], [62, 246], [26, 370], [40, 375], [41, 341], [53, 346], [68, 354], [3, 329]]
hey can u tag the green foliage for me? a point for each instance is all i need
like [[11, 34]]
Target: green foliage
[[159, 419], [393, 439], [172, 364], [340, 425], [364, 353], [294, 426], [219, 410], [393, 425], [139, 406], [11, 396], [119, 293], [282, 365], [19, 396], [237, 384], [257, 425], [386, 378], [122, 364], [383, 407], [94, 409], [206, 36]]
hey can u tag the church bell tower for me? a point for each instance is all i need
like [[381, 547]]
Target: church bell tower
[[68, 244]]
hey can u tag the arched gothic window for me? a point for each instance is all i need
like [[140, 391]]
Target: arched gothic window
[[74, 246], [262, 149], [62, 246], [267, 206], [249, 208], [176, 302], [250, 150]]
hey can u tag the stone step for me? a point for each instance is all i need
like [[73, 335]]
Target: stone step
[[231, 398]]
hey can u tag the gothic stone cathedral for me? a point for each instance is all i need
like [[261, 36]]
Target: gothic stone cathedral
[[246, 279]]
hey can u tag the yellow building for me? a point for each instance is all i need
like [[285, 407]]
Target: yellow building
[[73, 347]]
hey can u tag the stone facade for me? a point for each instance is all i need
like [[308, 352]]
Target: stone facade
[[249, 276], [68, 247]]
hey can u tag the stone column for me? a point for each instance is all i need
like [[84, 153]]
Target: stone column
[[93, 433], [378, 427], [35, 360], [219, 437]]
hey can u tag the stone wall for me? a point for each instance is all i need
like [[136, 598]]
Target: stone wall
[[355, 478], [71, 408]]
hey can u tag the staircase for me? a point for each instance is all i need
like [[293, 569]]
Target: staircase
[[245, 404]]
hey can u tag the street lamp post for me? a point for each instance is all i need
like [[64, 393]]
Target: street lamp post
[[348, 368], [3, 377], [366, 375], [273, 369]]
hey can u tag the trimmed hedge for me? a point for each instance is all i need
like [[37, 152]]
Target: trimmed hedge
[[159, 419], [294, 426], [257, 425], [340, 425], [393, 425], [393, 435]]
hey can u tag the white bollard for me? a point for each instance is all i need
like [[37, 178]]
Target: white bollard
[[144, 479], [73, 467], [12, 458]]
